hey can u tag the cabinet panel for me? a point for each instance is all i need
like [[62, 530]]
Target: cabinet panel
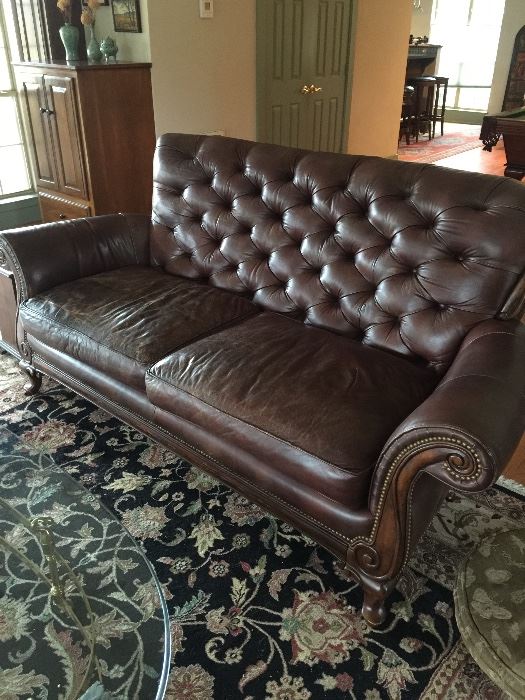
[[58, 209], [63, 119], [33, 96]]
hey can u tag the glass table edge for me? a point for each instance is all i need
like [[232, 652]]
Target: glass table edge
[[166, 658]]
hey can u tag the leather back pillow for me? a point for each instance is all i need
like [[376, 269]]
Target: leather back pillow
[[401, 256]]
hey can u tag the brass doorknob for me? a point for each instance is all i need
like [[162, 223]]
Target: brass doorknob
[[310, 89]]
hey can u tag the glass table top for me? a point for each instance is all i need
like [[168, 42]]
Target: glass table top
[[82, 614]]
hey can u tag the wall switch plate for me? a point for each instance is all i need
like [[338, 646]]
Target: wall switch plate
[[206, 9]]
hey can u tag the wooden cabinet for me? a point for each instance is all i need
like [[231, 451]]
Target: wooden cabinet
[[92, 136], [57, 208], [422, 59]]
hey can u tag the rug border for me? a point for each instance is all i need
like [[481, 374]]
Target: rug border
[[441, 156], [514, 487]]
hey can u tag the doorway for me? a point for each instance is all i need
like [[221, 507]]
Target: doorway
[[302, 67]]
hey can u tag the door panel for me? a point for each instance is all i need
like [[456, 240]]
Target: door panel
[[295, 125], [284, 112], [340, 40], [302, 43], [318, 122], [333, 46], [333, 125], [297, 38], [322, 38], [66, 138], [33, 98]]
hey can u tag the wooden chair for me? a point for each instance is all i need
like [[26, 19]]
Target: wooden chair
[[439, 107], [407, 113], [422, 120]]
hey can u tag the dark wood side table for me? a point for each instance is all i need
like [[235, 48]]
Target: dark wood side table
[[421, 59]]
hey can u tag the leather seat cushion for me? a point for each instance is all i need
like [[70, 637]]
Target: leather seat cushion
[[125, 320], [320, 403]]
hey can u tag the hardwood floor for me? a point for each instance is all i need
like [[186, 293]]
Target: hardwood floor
[[480, 161], [477, 160]]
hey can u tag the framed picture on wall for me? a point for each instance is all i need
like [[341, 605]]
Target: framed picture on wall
[[126, 15]]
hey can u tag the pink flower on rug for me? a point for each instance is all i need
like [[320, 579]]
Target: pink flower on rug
[[321, 627], [241, 511], [49, 436], [145, 522], [190, 683], [393, 673], [156, 456]]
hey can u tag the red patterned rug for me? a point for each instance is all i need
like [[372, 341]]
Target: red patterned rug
[[449, 144]]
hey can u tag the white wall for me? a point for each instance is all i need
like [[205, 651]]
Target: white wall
[[203, 69], [513, 21], [131, 47], [420, 25]]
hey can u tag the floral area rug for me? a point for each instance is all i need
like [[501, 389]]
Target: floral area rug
[[452, 142], [258, 610]]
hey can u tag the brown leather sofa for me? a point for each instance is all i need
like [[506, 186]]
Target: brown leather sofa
[[334, 336]]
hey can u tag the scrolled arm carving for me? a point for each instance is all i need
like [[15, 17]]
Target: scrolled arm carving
[[9, 261], [453, 461], [367, 558], [461, 463], [399, 512], [463, 468], [470, 425]]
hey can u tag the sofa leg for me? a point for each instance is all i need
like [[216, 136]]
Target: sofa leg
[[32, 386], [375, 594]]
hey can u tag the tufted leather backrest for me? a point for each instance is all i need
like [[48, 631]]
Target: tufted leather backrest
[[401, 256]]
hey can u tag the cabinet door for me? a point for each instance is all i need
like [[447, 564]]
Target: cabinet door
[[67, 145], [33, 97]]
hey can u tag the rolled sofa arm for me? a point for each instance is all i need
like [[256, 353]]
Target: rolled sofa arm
[[46, 255], [467, 429]]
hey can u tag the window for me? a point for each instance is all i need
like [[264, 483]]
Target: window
[[468, 31], [14, 172]]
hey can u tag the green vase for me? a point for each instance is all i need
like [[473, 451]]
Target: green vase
[[94, 53], [69, 35]]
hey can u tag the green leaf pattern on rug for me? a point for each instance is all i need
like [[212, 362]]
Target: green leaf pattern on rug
[[205, 533]]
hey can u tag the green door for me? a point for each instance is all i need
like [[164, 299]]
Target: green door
[[302, 63]]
